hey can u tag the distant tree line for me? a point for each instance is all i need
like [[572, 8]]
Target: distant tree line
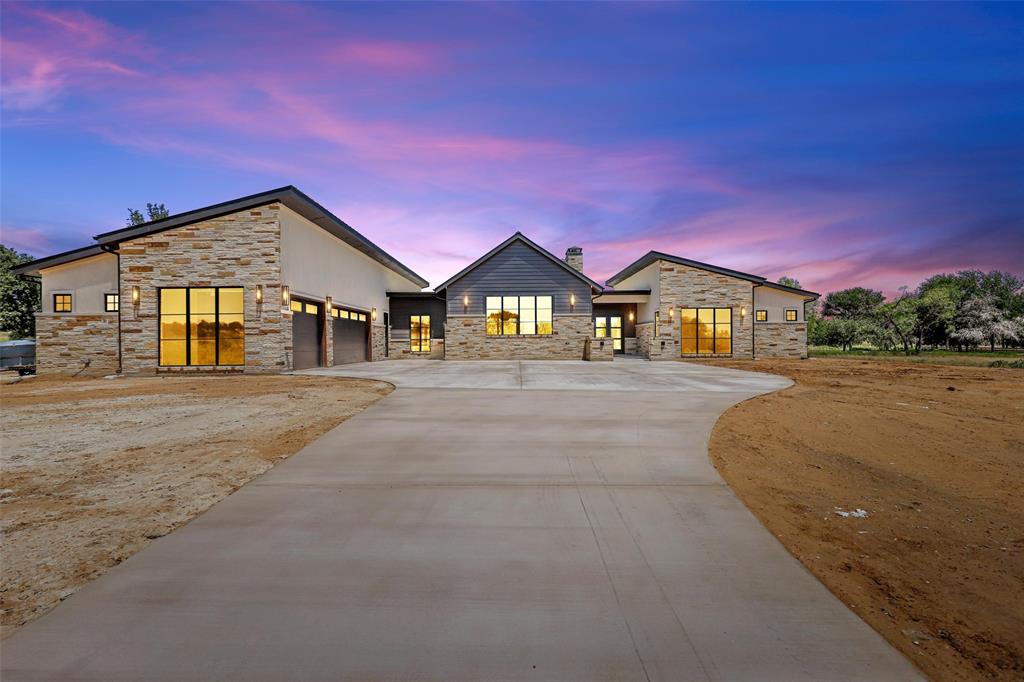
[[968, 310]]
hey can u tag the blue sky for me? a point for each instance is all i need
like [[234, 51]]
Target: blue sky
[[844, 144]]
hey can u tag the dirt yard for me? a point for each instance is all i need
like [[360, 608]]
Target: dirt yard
[[93, 470], [934, 455]]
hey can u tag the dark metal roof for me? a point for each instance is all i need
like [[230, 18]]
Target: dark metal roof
[[518, 236], [628, 292], [415, 294], [654, 256], [291, 197], [33, 267]]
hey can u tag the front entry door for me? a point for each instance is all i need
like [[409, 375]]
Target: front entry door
[[609, 328]]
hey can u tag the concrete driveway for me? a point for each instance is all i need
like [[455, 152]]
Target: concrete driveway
[[486, 521]]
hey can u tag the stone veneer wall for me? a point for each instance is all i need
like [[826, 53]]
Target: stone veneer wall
[[644, 332], [377, 337], [684, 287], [68, 343], [466, 339], [601, 350], [241, 249], [780, 339]]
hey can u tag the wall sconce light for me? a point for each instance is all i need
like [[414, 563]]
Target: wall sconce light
[[671, 313], [572, 301], [373, 314], [328, 301], [630, 315], [259, 294], [136, 296], [743, 313], [465, 303], [286, 296]]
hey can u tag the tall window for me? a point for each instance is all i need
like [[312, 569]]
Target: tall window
[[761, 316], [706, 330], [791, 315], [657, 323], [111, 303], [519, 315], [62, 303], [419, 333], [202, 326]]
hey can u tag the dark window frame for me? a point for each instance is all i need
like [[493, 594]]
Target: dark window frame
[[106, 302], [518, 321], [70, 302], [714, 329], [419, 340], [796, 315], [761, 315], [188, 326]]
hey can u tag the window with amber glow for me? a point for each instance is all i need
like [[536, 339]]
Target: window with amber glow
[[706, 331], [761, 316], [202, 326], [791, 315], [111, 303], [657, 323], [419, 333], [519, 315], [62, 303]]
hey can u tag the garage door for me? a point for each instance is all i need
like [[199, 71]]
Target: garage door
[[350, 333], [307, 332]]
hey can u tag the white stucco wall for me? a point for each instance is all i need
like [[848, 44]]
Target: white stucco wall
[[315, 264], [776, 302], [645, 279], [87, 280]]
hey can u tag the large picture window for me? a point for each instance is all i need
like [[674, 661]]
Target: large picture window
[[419, 333], [202, 326], [519, 315], [706, 331]]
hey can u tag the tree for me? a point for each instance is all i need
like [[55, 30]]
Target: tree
[[852, 304], [790, 282], [900, 318], [154, 211], [980, 320], [19, 297]]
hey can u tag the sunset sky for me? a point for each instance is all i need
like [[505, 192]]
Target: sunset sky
[[870, 144]]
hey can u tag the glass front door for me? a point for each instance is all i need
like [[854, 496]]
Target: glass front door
[[609, 328]]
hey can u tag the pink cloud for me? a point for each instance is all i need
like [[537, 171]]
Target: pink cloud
[[33, 240], [390, 55]]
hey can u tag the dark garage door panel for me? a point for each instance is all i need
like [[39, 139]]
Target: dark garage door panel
[[349, 341], [306, 336]]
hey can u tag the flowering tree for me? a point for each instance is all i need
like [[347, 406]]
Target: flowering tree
[[980, 319]]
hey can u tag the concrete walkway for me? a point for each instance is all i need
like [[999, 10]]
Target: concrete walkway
[[486, 521]]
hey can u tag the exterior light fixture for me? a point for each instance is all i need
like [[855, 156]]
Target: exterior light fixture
[[136, 295], [259, 294], [465, 303], [630, 315], [373, 314], [671, 313], [286, 295], [743, 312], [572, 301], [327, 305]]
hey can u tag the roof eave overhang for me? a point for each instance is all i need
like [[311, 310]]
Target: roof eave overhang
[[288, 196], [32, 268]]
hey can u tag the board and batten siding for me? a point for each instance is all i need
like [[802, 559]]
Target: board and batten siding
[[518, 270]]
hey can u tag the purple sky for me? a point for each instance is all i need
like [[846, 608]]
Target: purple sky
[[870, 144]]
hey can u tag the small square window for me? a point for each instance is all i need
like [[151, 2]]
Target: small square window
[[761, 316], [62, 303], [111, 303], [791, 315]]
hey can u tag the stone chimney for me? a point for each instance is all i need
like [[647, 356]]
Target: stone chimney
[[574, 258]]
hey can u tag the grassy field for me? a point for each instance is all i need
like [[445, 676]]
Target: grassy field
[[1013, 358]]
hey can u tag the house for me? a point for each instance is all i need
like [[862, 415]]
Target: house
[[266, 283], [274, 282]]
